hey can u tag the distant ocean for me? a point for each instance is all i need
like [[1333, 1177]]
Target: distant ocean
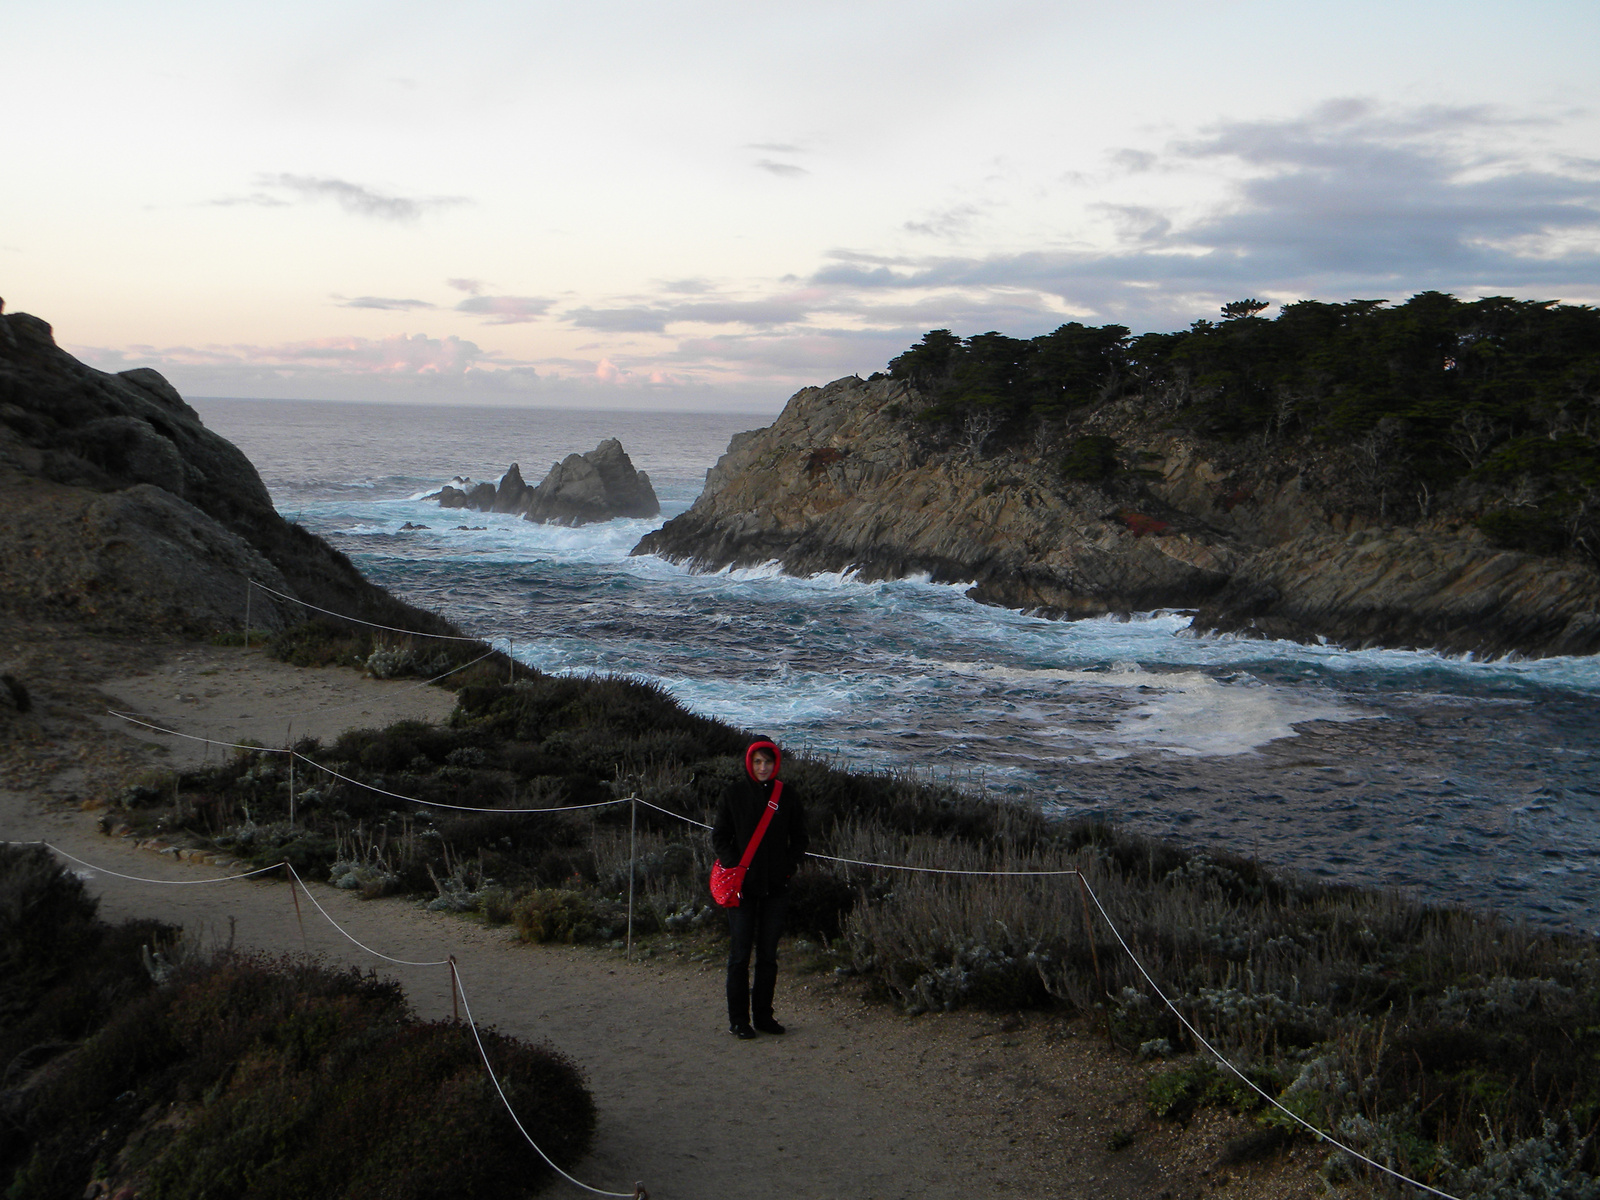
[[1460, 782]]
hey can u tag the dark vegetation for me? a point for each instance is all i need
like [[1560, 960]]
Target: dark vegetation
[[1488, 409], [131, 1061], [1442, 1042]]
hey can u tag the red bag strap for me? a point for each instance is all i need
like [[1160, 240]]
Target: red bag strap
[[766, 819]]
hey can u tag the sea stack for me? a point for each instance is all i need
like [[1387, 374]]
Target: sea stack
[[581, 489]]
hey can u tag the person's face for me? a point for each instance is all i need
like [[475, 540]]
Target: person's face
[[762, 766]]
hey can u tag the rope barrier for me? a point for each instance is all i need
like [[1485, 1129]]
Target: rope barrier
[[190, 737], [638, 1192], [404, 962], [295, 754], [140, 878], [448, 637], [1248, 1082], [1132, 957], [457, 989], [410, 687], [859, 862], [1128, 950], [453, 807]]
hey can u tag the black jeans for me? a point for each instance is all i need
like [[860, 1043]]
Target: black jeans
[[755, 924]]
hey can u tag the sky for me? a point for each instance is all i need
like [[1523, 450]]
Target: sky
[[710, 205]]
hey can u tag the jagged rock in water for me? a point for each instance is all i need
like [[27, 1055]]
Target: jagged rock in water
[[580, 489], [597, 486], [511, 493], [1258, 543]]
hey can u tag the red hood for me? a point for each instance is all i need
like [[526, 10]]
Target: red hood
[[777, 758]]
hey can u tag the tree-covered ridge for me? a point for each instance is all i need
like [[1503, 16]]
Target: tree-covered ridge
[[1496, 400]]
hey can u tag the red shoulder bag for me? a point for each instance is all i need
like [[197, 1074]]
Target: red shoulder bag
[[728, 882]]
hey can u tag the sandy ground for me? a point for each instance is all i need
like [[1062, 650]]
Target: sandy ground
[[855, 1101]]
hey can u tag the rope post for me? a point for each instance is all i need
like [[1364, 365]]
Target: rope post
[[511, 661], [248, 593], [292, 757], [294, 891], [633, 831], [455, 989]]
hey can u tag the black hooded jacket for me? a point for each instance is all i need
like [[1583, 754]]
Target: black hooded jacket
[[783, 846]]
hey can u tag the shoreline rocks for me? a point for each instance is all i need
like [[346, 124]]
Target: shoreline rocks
[[126, 514], [1254, 543], [581, 489]]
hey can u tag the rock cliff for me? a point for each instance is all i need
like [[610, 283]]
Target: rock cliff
[[580, 489], [1257, 542], [125, 513]]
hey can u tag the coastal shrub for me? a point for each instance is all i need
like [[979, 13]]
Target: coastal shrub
[[1090, 459], [322, 643], [1532, 530], [1177, 1093], [819, 901], [263, 1076], [63, 972], [562, 915]]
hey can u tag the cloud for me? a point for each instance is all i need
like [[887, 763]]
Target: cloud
[[951, 222], [1349, 199], [354, 198], [470, 286], [618, 320], [506, 310], [383, 302], [1133, 161], [787, 170], [800, 357], [655, 318], [775, 147], [398, 355]]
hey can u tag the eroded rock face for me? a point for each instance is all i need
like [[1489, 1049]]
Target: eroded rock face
[[125, 512], [845, 479], [839, 483]]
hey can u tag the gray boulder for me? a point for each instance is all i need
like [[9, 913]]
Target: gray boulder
[[598, 486]]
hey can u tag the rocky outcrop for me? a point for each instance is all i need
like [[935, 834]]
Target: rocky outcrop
[[847, 479], [597, 486], [580, 489], [124, 512]]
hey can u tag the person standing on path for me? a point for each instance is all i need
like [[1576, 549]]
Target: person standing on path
[[756, 922]]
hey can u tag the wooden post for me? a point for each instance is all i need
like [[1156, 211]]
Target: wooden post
[[455, 989], [633, 826], [292, 757], [249, 591]]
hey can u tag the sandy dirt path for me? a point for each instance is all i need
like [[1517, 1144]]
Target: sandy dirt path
[[856, 1101]]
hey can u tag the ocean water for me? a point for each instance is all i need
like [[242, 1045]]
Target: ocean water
[[1461, 782]]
